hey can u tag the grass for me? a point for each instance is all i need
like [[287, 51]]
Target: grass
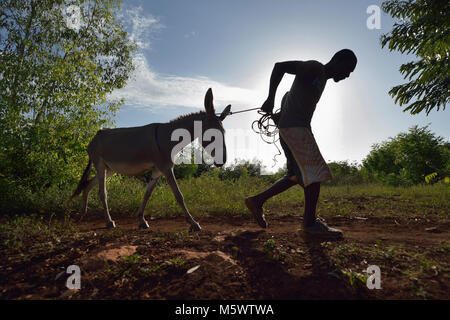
[[350, 262], [208, 196], [17, 232]]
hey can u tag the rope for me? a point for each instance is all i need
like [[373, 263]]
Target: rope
[[266, 129], [245, 110]]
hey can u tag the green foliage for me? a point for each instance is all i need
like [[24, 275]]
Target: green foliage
[[241, 169], [188, 170], [430, 177], [235, 252], [355, 279], [133, 259], [272, 251], [345, 173], [178, 262], [210, 196], [423, 30], [54, 83], [184, 171], [17, 231], [409, 158], [204, 168]]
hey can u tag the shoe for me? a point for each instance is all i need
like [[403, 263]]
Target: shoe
[[256, 211], [319, 228]]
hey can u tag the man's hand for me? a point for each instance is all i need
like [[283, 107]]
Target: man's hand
[[276, 118], [268, 105]]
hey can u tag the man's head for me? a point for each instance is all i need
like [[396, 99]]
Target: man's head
[[341, 65]]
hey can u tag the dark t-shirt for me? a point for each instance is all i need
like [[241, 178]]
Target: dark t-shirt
[[298, 104]]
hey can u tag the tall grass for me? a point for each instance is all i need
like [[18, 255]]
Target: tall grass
[[208, 195]]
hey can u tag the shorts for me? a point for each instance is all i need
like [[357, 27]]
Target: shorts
[[303, 156]]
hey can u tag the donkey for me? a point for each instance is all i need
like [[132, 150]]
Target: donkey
[[137, 150]]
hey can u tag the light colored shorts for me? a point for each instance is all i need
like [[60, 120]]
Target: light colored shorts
[[306, 154]]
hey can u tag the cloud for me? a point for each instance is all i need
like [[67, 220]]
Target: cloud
[[149, 89], [190, 34], [139, 25]]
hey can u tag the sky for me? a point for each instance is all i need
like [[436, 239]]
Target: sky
[[186, 47]]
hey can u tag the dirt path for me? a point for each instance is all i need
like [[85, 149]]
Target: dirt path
[[232, 258], [357, 229]]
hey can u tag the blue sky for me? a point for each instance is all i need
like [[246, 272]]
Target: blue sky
[[231, 46]]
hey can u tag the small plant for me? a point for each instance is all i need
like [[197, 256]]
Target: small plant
[[111, 235], [430, 177], [181, 235], [356, 279], [444, 247], [389, 253], [326, 244], [177, 261], [146, 271], [158, 267], [272, 251], [133, 259], [421, 292], [235, 252], [270, 244]]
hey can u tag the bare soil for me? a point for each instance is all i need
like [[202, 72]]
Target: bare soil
[[232, 258]]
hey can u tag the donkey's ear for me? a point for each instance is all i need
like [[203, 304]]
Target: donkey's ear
[[225, 112], [209, 103]]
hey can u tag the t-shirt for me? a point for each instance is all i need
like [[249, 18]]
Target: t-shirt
[[299, 103]]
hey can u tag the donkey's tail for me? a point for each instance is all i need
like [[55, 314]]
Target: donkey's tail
[[82, 184]]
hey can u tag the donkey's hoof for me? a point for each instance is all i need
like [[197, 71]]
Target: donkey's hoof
[[143, 225], [195, 227], [110, 225]]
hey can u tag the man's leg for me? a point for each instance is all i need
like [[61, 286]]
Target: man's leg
[[255, 203], [311, 196], [281, 185], [310, 223]]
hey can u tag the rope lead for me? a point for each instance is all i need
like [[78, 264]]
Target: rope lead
[[266, 129]]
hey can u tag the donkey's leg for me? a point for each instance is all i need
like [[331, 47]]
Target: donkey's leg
[[151, 185], [179, 197], [101, 175], [86, 190], [92, 183]]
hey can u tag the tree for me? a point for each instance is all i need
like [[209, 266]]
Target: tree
[[423, 30], [54, 80], [241, 168], [409, 158], [344, 173]]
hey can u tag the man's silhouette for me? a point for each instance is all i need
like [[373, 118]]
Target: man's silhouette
[[305, 164]]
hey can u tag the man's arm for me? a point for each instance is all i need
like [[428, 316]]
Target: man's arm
[[280, 68]]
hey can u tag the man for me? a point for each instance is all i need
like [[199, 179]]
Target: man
[[305, 164]]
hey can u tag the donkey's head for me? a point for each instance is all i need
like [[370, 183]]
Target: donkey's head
[[213, 132]]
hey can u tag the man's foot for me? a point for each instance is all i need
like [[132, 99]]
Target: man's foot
[[319, 228], [257, 211]]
